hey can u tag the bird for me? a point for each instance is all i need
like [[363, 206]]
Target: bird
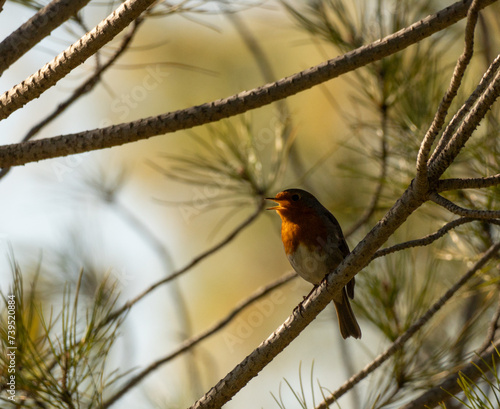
[[315, 245]]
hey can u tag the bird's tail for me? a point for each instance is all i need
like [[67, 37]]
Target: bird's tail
[[348, 324]]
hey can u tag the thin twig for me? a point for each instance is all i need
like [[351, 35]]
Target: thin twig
[[346, 353], [181, 305], [190, 343], [20, 154], [424, 241], [128, 305], [90, 83], [440, 116], [402, 339], [468, 183], [465, 108], [471, 121], [461, 211], [253, 46], [492, 329]]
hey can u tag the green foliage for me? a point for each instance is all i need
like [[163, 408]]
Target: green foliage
[[61, 355], [484, 392]]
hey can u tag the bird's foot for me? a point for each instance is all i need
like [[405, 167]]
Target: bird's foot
[[299, 308]]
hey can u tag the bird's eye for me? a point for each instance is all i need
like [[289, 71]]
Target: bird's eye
[[295, 197]]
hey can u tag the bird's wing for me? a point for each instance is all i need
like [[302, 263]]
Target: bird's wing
[[344, 249]]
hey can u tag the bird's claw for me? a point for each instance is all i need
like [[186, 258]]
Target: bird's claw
[[299, 308]]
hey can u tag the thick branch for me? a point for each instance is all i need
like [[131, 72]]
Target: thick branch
[[36, 29], [83, 89], [20, 154], [401, 340], [452, 207], [72, 57], [451, 92], [90, 83], [470, 183], [450, 386]]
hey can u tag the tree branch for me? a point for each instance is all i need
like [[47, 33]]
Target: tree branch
[[20, 154], [421, 181], [453, 208], [36, 29], [190, 343], [490, 90], [72, 57], [268, 75], [465, 108], [468, 183], [492, 329], [83, 89], [401, 340], [424, 241]]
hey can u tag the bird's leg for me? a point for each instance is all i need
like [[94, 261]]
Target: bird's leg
[[300, 307]]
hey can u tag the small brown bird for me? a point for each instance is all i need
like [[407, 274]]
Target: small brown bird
[[315, 246]]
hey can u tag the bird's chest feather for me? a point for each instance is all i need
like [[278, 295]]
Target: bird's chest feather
[[309, 263], [304, 251]]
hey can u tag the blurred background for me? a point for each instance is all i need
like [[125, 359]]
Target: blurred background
[[137, 213]]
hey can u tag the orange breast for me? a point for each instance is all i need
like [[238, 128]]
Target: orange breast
[[306, 229], [303, 237], [290, 233]]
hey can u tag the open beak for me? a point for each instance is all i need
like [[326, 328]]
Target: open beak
[[274, 199]]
